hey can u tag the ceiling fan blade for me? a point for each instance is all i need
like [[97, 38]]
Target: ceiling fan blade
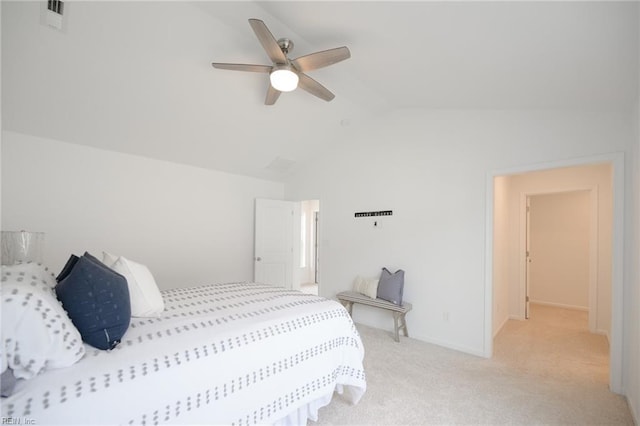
[[243, 67], [321, 59], [268, 42], [272, 96], [315, 88]]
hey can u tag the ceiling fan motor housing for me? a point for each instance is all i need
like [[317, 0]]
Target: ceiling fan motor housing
[[286, 45]]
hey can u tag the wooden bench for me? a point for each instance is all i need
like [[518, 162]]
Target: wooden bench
[[348, 298]]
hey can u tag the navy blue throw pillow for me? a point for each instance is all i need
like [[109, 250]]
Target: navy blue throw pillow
[[97, 301], [68, 267]]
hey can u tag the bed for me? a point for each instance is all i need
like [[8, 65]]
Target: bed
[[233, 353]]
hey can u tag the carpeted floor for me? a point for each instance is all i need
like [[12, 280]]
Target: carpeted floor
[[547, 370]]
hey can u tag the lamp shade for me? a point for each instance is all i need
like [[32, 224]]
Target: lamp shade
[[283, 79], [22, 246]]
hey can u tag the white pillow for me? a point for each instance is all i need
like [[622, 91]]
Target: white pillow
[[146, 299], [37, 333], [366, 286], [108, 258]]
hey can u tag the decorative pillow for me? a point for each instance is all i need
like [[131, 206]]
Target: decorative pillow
[[108, 258], [97, 300], [146, 299], [29, 272], [67, 267], [391, 286], [36, 331], [366, 286], [7, 383]]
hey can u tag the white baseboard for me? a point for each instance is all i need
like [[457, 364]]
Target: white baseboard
[[449, 345], [632, 408], [603, 333], [495, 333], [427, 339], [560, 305]]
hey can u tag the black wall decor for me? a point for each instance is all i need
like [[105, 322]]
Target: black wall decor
[[371, 214]]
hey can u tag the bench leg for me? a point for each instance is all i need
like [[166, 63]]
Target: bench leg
[[349, 306], [399, 322], [396, 326], [404, 325]]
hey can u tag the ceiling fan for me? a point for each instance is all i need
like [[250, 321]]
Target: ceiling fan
[[286, 74]]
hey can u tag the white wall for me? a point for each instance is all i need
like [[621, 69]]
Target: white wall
[[559, 229], [430, 168], [189, 225], [597, 177]]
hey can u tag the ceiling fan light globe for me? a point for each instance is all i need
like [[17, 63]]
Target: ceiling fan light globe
[[284, 80]]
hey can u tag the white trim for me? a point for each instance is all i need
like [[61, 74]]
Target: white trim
[[617, 253], [603, 333], [617, 276], [562, 306], [487, 350], [522, 258], [594, 243], [295, 272], [499, 329], [443, 343]]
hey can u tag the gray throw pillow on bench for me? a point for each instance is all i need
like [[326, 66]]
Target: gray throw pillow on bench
[[391, 286]]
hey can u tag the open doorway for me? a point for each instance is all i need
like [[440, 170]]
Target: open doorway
[[597, 296], [309, 252], [559, 235]]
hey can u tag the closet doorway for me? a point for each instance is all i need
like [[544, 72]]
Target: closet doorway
[[309, 248], [561, 251]]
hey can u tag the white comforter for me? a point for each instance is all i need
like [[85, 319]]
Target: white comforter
[[237, 353]]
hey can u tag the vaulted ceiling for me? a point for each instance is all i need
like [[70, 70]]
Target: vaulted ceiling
[[136, 77]]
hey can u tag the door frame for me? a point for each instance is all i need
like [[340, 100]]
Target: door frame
[[316, 247], [593, 249], [616, 160], [296, 242]]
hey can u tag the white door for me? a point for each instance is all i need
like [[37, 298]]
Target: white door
[[274, 243]]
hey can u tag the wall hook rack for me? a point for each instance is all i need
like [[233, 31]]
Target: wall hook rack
[[378, 213]]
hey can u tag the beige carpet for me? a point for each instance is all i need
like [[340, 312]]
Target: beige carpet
[[547, 370]]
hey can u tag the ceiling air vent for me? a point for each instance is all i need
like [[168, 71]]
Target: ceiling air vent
[[55, 10], [281, 165]]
